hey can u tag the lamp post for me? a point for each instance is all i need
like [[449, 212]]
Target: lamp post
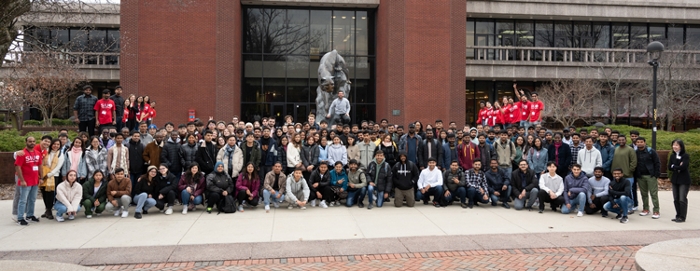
[[655, 48]]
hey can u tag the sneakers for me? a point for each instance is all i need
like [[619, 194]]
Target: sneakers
[[118, 212], [208, 210], [324, 205], [267, 208], [506, 205], [71, 217], [337, 203], [22, 222], [60, 218], [656, 216], [184, 210], [313, 203], [125, 214], [624, 220], [303, 207], [88, 216], [240, 208], [580, 214], [361, 205], [169, 211], [644, 213], [634, 208], [332, 203], [290, 207], [137, 215], [276, 204], [619, 216], [370, 206], [464, 206], [32, 219]]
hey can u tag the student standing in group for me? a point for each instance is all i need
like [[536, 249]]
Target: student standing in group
[[680, 179], [119, 107], [28, 169], [647, 171], [52, 164], [105, 110], [84, 111]]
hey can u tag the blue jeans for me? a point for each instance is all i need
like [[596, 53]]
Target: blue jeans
[[579, 201], [62, 209], [503, 197], [461, 193], [353, 195], [27, 197], [436, 192], [186, 198], [266, 196], [366, 191], [631, 200], [134, 179], [622, 203], [474, 195], [143, 202]]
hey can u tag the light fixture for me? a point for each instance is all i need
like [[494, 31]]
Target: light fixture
[[363, 17], [333, 16], [353, 17], [343, 17]]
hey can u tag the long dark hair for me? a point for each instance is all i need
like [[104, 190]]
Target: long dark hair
[[191, 178], [250, 176], [534, 144], [681, 144]]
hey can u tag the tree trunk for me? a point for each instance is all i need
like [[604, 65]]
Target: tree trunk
[[16, 120]]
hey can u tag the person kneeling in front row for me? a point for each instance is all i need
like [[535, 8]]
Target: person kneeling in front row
[[598, 192], [357, 181], [430, 183], [274, 186], [455, 185], [551, 188], [219, 185], [119, 194], [477, 189], [297, 190], [499, 184], [619, 195], [404, 178], [524, 184], [68, 196]]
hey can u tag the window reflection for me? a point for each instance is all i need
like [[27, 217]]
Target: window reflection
[[343, 32]]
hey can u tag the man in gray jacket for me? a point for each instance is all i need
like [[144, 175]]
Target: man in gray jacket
[[297, 190], [340, 109]]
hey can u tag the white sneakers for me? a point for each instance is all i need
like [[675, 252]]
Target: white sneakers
[[240, 208], [290, 207], [324, 205], [125, 214], [184, 210], [276, 204], [118, 212], [267, 208], [169, 211], [313, 203], [580, 214], [60, 218], [303, 207], [88, 216], [332, 203]]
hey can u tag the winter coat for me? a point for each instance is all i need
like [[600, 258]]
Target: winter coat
[[564, 158], [679, 168], [188, 154], [537, 159], [606, 154], [353, 153], [357, 178], [282, 156], [270, 181], [236, 158], [487, 153], [293, 155], [449, 155], [448, 183], [496, 180], [436, 151], [309, 155], [270, 154], [391, 153], [151, 154], [122, 188], [170, 155], [199, 190], [167, 183], [136, 163], [70, 195], [142, 186], [89, 191], [96, 160], [380, 175], [206, 157], [337, 152], [648, 159], [517, 183], [218, 182], [317, 178], [243, 184], [366, 153]]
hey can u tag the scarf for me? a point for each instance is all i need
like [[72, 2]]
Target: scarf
[[76, 154], [556, 151], [229, 151], [49, 183]]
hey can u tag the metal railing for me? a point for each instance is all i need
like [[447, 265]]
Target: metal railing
[[86, 59], [585, 55]]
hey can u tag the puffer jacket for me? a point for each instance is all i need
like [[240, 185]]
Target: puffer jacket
[[218, 182], [96, 159], [89, 191], [188, 154], [255, 155], [70, 195], [309, 155], [170, 155], [237, 159], [167, 183], [380, 175], [317, 178]]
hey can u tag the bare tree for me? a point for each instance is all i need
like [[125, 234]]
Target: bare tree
[[275, 32], [12, 100], [43, 82], [569, 100], [678, 91]]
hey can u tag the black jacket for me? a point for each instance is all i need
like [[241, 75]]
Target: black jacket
[[487, 153], [170, 155], [142, 186], [309, 155], [167, 183], [136, 162], [496, 180], [391, 153], [647, 159], [448, 183], [619, 189], [404, 176], [316, 178], [383, 180], [564, 158], [679, 168], [517, 184], [206, 157], [218, 182], [188, 154], [255, 154], [436, 151]]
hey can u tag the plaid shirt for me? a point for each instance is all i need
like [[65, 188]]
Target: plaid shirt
[[574, 152], [85, 105], [476, 180]]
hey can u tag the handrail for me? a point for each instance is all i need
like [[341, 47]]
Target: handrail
[[80, 58], [558, 54]]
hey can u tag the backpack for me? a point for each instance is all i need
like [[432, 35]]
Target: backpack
[[229, 205]]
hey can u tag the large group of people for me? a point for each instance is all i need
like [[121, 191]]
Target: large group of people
[[507, 158]]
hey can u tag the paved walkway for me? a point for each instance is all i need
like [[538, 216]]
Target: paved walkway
[[316, 232], [576, 258]]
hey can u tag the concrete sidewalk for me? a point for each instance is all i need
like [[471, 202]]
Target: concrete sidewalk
[[175, 233]]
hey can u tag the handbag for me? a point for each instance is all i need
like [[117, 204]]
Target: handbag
[[229, 205]]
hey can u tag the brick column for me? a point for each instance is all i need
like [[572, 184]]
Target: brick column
[[228, 59], [421, 49]]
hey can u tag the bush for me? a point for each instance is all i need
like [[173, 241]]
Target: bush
[[11, 140], [62, 122], [663, 138], [33, 123]]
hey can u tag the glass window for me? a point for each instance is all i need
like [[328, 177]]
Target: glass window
[[274, 66], [298, 90], [320, 37], [363, 112], [657, 32], [505, 36], [78, 40], [525, 34], [471, 103], [344, 32], [639, 38], [59, 38], [563, 35], [273, 89], [483, 90], [297, 25], [692, 37], [485, 37], [544, 34], [675, 36], [582, 35], [620, 35], [274, 31], [470, 39], [298, 67], [252, 30], [252, 90], [600, 35], [361, 33]]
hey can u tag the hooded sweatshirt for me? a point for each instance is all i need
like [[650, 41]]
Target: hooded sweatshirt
[[337, 152], [589, 159], [404, 175], [297, 190], [336, 177], [575, 185]]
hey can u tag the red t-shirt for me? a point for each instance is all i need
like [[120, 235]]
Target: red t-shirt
[[29, 163], [524, 110], [483, 115], [492, 117], [104, 110], [507, 116], [535, 110], [126, 115], [145, 112], [514, 113], [152, 113]]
